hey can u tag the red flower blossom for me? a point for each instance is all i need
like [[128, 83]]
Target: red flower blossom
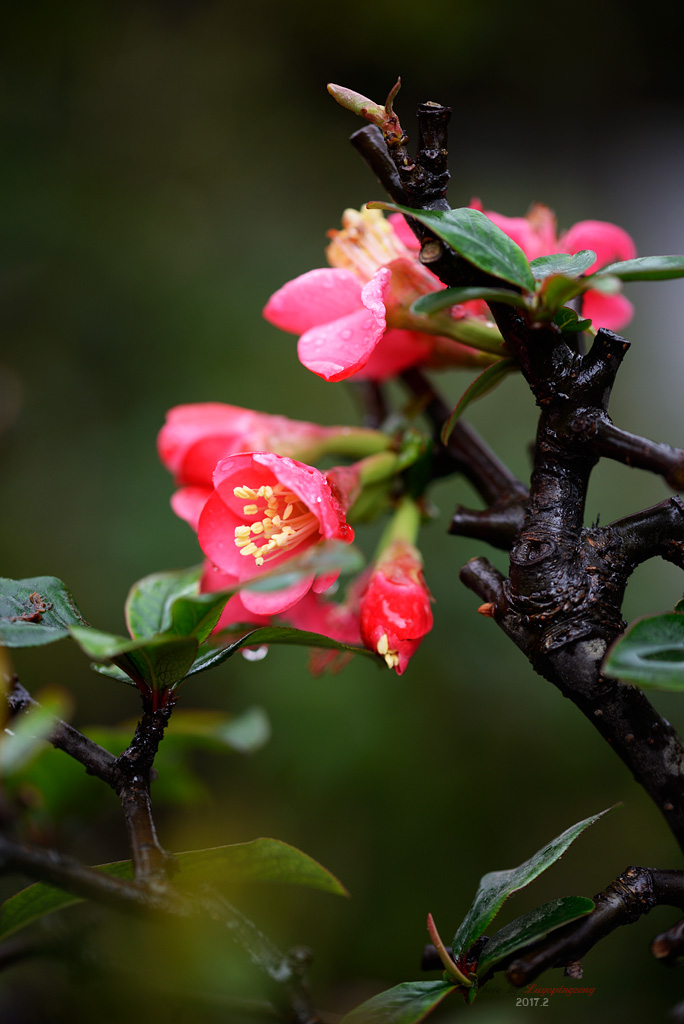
[[354, 317], [196, 437], [395, 606], [265, 509], [536, 236]]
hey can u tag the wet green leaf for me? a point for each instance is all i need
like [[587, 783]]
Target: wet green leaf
[[428, 304], [497, 886], [646, 268], [531, 927], [34, 611], [563, 263], [157, 662], [262, 860], [475, 237], [214, 653], [149, 601], [569, 322], [407, 1003], [650, 653], [481, 386]]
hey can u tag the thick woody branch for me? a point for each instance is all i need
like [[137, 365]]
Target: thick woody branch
[[655, 531], [132, 785], [632, 450], [623, 902]]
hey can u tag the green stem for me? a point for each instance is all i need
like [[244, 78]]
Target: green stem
[[403, 526]]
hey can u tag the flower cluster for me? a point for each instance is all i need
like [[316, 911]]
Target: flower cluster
[[254, 511], [246, 482]]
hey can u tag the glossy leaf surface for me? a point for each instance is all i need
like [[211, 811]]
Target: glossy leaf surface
[[407, 1003], [475, 237], [215, 653], [531, 927], [35, 611], [497, 886], [650, 653]]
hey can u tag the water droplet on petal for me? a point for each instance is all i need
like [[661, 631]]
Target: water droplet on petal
[[345, 334], [254, 653]]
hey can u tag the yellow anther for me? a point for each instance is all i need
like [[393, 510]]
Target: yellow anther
[[244, 492], [242, 531], [392, 659], [288, 511], [270, 512], [257, 527], [250, 510], [382, 646], [249, 549]]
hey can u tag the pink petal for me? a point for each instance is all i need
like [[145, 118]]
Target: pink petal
[[338, 349], [325, 581], [611, 311], [396, 351], [608, 241], [403, 231], [272, 602], [188, 503], [314, 298], [186, 424]]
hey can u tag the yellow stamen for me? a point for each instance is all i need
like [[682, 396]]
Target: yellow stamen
[[288, 511], [250, 510], [383, 645]]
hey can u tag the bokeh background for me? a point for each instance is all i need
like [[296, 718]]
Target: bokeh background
[[165, 167]]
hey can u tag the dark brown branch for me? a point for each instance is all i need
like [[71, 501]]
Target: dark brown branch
[[132, 785], [632, 450], [668, 947], [655, 531], [623, 902]]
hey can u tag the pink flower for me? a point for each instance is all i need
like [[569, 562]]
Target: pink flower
[[351, 317], [196, 437], [536, 236], [263, 510], [395, 606]]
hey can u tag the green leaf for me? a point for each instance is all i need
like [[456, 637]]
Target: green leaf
[[148, 605], [556, 290], [34, 611], [407, 1003], [475, 237], [481, 386], [262, 860], [569, 322], [532, 927], [647, 268], [157, 662], [650, 653], [679, 607], [215, 653], [497, 886], [562, 263], [25, 735], [428, 304]]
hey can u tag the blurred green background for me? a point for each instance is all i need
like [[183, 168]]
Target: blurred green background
[[166, 167]]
